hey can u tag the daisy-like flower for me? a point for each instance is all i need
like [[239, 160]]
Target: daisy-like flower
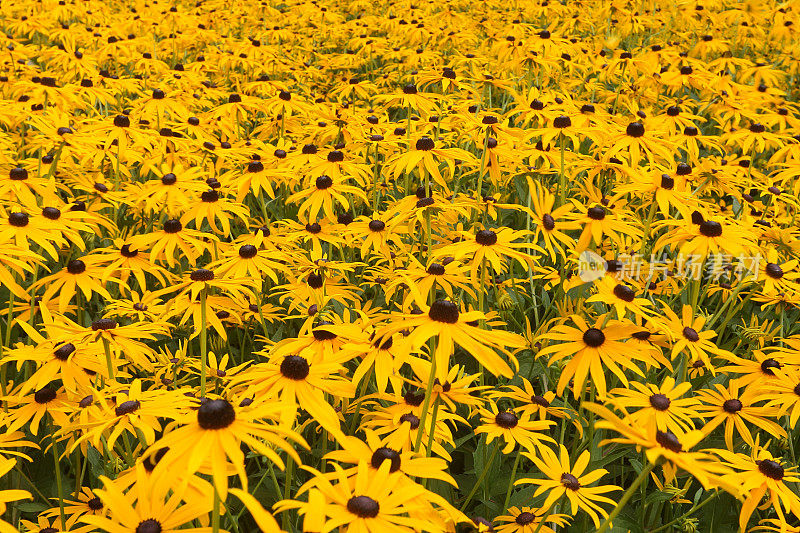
[[737, 411], [563, 479], [86, 502], [550, 224], [133, 411], [589, 350], [598, 221], [76, 276], [513, 429], [688, 335], [760, 476], [374, 451], [529, 520], [659, 407], [153, 510], [173, 237], [450, 326], [703, 237], [427, 157], [210, 440], [667, 448], [490, 248], [621, 297], [370, 501], [300, 382], [325, 196]]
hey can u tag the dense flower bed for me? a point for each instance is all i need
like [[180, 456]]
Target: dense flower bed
[[523, 266]]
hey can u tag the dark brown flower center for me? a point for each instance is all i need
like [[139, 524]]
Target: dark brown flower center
[[44, 395], [710, 228], [769, 365], [377, 225], [315, 281], [669, 441], [151, 525], [324, 182], [411, 418], [506, 419], [436, 269], [486, 237], [103, 324], [121, 121], [386, 454], [63, 352], [635, 129], [95, 504], [18, 174], [248, 251], [691, 335], [425, 143], [323, 334], [540, 400], [593, 337], [215, 414], [623, 292], [732, 406], [596, 213], [51, 213], [444, 311], [295, 367], [548, 222], [201, 274], [570, 481], [562, 122], [76, 266], [774, 270], [125, 251], [172, 226], [771, 469], [127, 407], [660, 402], [414, 398], [18, 220], [524, 518], [363, 507]]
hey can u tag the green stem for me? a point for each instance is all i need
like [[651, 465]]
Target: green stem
[[511, 481], [562, 186], [546, 514], [626, 497], [479, 190], [59, 484], [426, 404], [479, 481], [215, 513], [203, 344], [287, 489], [695, 508], [109, 360]]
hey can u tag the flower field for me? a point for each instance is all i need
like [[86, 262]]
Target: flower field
[[376, 267]]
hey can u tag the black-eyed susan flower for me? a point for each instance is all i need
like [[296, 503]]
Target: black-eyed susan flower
[[565, 479]]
